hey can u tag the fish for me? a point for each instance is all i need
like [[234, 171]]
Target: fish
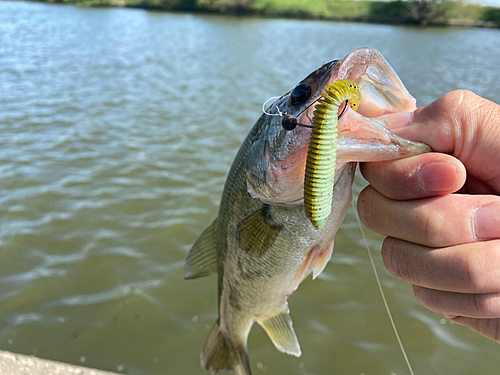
[[262, 245]]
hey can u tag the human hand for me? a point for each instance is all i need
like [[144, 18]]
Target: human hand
[[447, 245]]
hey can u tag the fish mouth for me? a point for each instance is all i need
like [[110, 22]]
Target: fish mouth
[[363, 136], [382, 90], [363, 139]]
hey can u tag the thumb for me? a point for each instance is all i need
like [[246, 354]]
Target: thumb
[[461, 124]]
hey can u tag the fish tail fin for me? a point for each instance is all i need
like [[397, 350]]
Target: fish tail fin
[[219, 354]]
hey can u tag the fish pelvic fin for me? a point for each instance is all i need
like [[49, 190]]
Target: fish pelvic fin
[[219, 354], [278, 326], [202, 258]]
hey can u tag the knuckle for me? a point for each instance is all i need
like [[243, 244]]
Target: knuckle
[[481, 269], [432, 224], [474, 271], [366, 207], [462, 108], [427, 297], [394, 259], [495, 323], [439, 226], [487, 305], [487, 327], [368, 171], [466, 270], [387, 253], [457, 98]]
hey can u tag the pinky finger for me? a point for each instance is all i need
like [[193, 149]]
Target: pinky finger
[[489, 328]]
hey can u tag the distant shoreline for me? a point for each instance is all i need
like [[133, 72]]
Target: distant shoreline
[[417, 12]]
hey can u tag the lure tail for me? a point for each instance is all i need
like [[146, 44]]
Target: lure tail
[[219, 354]]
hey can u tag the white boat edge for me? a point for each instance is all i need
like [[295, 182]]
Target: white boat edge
[[20, 364]]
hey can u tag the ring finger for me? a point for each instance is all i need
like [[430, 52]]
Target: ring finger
[[434, 222]]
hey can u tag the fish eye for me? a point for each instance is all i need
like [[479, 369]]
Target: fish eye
[[299, 94]]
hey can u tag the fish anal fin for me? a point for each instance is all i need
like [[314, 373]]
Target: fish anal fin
[[316, 260], [321, 259], [257, 232], [202, 258], [219, 354], [278, 326]]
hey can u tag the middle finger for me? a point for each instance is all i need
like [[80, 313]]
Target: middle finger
[[434, 222]]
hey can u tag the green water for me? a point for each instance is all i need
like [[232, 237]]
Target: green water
[[117, 129]]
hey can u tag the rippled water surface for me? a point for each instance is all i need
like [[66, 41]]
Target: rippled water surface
[[117, 129]]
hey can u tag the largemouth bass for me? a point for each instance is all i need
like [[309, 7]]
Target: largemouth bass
[[262, 245]]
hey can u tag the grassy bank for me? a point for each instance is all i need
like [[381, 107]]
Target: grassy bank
[[423, 12]]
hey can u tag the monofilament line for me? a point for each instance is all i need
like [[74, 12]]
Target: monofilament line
[[382, 292]]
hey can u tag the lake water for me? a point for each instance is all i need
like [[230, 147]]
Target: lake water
[[117, 129]]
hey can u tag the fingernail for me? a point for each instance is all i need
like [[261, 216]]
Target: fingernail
[[439, 176], [487, 222]]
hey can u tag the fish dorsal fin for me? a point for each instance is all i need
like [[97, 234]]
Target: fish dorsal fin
[[278, 326], [257, 232], [202, 258]]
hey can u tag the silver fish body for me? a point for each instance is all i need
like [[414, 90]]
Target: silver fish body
[[262, 245]]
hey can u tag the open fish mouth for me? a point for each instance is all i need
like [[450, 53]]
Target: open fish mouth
[[277, 160]]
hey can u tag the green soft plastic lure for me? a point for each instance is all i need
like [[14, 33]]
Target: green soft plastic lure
[[322, 152]]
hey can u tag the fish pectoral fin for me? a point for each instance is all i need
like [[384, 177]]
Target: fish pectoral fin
[[278, 326], [321, 260], [202, 258], [257, 232]]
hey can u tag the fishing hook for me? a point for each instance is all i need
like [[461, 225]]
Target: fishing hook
[[289, 122]]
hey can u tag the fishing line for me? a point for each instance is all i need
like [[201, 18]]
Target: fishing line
[[382, 292], [271, 114], [289, 122]]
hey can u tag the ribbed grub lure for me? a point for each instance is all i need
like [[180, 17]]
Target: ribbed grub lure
[[322, 152]]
